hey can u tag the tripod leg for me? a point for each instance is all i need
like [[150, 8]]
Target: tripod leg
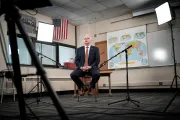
[[171, 101], [134, 102], [40, 68], [17, 79], [32, 89], [117, 101], [172, 84], [32, 112]]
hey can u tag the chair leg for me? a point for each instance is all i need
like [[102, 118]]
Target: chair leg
[[75, 95], [97, 90], [78, 98]]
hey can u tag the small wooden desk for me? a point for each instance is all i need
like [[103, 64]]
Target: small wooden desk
[[102, 73], [107, 73]]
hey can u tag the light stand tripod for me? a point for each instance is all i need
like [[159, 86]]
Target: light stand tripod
[[127, 85], [39, 81], [12, 17], [174, 60], [175, 72], [39, 87]]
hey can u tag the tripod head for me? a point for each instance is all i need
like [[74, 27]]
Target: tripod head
[[22, 4]]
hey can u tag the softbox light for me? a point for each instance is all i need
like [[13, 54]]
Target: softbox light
[[45, 32], [163, 13]]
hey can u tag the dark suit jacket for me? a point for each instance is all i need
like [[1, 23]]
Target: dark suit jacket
[[93, 60]]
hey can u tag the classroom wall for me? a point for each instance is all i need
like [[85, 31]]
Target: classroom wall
[[138, 78], [57, 75], [150, 77]]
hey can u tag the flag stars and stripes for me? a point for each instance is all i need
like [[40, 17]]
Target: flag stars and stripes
[[60, 29]]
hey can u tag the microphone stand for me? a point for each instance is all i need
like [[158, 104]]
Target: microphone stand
[[39, 81], [127, 83]]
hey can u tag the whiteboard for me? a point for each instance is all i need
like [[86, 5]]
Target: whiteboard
[[160, 47]]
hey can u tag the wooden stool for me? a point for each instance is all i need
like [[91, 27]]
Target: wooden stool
[[86, 81]]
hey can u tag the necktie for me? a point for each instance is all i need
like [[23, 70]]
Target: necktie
[[86, 57]]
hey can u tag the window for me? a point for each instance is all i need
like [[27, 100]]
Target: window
[[56, 51], [65, 54], [46, 50], [24, 55]]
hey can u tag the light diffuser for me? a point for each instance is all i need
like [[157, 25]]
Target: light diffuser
[[163, 13]]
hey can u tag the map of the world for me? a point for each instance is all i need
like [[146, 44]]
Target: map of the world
[[119, 40]]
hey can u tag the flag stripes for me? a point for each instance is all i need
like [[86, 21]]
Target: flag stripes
[[60, 29]]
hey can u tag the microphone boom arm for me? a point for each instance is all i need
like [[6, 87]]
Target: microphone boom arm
[[50, 59], [104, 63]]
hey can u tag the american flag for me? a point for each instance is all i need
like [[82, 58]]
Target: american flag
[[60, 29]]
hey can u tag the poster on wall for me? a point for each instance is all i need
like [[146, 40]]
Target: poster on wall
[[29, 23], [117, 41]]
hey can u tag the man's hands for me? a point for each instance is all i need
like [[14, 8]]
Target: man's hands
[[86, 68]]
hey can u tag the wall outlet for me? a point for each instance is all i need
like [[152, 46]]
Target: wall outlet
[[160, 83]]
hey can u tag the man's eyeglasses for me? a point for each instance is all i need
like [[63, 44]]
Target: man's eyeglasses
[[87, 38]]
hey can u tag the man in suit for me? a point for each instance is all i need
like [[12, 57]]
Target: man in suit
[[86, 60]]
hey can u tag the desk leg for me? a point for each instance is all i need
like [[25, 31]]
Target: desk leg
[[74, 90], [109, 78]]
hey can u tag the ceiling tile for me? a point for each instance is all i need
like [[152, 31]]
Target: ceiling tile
[[79, 19], [92, 16], [96, 7], [72, 6], [136, 5], [96, 20], [135, 1], [60, 2], [48, 9], [111, 3], [82, 12], [85, 2], [114, 10], [100, 0], [73, 16], [77, 22]]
